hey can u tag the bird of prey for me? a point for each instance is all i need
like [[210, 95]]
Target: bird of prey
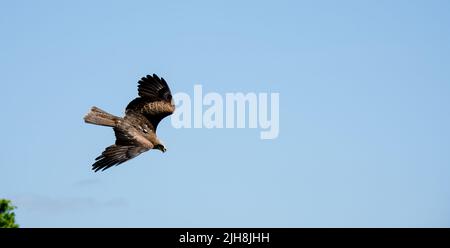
[[136, 131]]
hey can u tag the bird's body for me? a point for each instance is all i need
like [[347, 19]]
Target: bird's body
[[136, 131]]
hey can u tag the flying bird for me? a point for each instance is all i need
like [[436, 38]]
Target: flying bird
[[136, 131]]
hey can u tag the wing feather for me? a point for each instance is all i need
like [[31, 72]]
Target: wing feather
[[154, 101], [115, 155]]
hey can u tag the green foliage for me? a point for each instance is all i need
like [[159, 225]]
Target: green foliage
[[7, 216]]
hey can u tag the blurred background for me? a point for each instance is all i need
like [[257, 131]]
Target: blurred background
[[364, 113]]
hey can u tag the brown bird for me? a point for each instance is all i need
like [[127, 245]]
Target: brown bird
[[136, 131]]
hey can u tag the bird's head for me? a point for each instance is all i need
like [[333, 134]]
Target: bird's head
[[160, 147]]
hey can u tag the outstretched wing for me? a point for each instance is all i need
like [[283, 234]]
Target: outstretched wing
[[154, 101], [115, 155]]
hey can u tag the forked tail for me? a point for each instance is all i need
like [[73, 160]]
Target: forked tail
[[99, 117]]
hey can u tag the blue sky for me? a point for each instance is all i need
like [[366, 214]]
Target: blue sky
[[364, 113]]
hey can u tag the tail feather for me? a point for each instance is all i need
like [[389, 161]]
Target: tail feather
[[99, 117]]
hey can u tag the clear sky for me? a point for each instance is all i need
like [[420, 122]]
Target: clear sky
[[364, 113]]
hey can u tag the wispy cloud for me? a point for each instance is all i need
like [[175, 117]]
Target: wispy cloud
[[87, 182], [46, 204]]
